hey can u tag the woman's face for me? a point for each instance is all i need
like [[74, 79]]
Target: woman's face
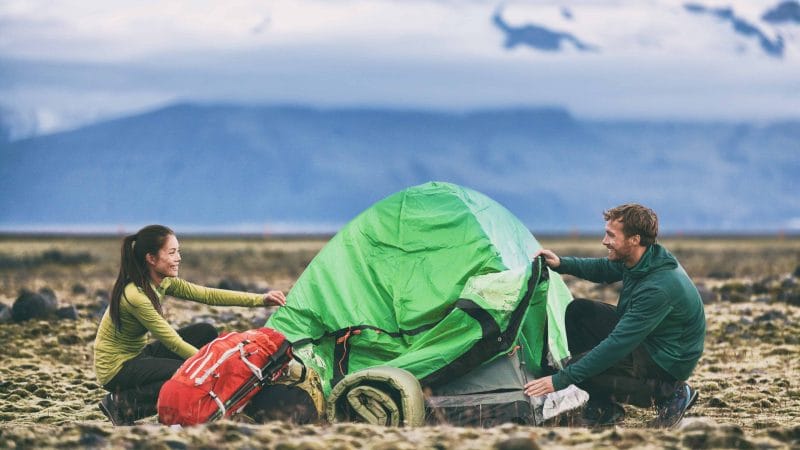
[[167, 261]]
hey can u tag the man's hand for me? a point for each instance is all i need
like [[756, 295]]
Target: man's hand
[[274, 298], [539, 386], [551, 259]]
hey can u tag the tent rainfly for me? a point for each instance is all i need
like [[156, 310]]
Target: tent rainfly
[[437, 280]]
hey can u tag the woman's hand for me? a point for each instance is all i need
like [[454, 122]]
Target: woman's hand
[[274, 298]]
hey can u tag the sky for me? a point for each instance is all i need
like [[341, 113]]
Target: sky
[[69, 63]]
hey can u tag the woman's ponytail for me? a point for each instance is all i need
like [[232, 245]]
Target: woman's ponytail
[[133, 267]]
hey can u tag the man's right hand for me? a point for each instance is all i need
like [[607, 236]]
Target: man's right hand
[[551, 259]]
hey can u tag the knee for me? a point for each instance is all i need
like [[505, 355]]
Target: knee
[[208, 331], [578, 308], [204, 333]]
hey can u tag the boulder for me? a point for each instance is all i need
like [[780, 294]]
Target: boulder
[[34, 305], [706, 294], [67, 312], [79, 288], [232, 284]]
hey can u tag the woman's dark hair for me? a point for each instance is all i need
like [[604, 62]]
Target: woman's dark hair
[[133, 267]]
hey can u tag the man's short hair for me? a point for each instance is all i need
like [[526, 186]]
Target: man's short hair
[[636, 219]]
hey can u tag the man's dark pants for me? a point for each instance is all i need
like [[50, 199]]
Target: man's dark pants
[[636, 379]]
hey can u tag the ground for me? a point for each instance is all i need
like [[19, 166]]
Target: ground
[[747, 378]]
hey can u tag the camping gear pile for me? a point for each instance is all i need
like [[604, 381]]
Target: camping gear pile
[[429, 307], [437, 281], [222, 377]]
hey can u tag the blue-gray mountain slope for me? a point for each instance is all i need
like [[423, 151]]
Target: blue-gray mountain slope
[[223, 165]]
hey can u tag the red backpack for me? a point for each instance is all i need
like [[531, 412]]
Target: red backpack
[[222, 376]]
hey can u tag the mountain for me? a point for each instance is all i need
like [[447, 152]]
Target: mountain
[[232, 167]]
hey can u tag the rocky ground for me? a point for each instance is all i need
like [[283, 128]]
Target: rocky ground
[[748, 377]]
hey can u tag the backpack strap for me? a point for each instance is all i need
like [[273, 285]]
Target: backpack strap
[[303, 373]]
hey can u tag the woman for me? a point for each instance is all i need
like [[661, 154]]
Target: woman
[[126, 366]]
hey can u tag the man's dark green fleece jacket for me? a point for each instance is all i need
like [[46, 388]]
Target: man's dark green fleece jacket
[[659, 307]]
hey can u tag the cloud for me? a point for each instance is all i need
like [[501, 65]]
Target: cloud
[[657, 60], [794, 224], [773, 47]]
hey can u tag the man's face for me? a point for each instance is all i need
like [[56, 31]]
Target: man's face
[[620, 248]]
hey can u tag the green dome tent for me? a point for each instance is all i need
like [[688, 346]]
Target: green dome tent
[[437, 280]]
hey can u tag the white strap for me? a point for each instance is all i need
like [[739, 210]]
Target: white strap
[[206, 350], [253, 368], [228, 353], [200, 367], [219, 402]]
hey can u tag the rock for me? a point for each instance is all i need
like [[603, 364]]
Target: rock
[[706, 294], [232, 284], [5, 314], [260, 320], [78, 288], [760, 288], [789, 283], [791, 297], [30, 305], [228, 316], [69, 339], [697, 424], [517, 443], [762, 299], [735, 292], [92, 436], [771, 316], [49, 294], [789, 434], [97, 310], [731, 328], [716, 402], [67, 312]]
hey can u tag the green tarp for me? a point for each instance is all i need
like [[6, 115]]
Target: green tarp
[[436, 279]]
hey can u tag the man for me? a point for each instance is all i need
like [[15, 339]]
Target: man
[[642, 351]]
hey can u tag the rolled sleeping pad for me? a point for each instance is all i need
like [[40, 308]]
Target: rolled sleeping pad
[[379, 395]]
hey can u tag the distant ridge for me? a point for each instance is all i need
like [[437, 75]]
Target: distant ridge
[[248, 168]]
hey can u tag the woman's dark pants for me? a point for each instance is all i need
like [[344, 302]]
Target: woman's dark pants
[[137, 384]]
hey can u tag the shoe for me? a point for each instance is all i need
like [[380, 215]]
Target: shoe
[[108, 405], [601, 414], [671, 410]]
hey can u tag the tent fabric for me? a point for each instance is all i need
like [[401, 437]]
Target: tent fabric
[[437, 280], [486, 396]]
